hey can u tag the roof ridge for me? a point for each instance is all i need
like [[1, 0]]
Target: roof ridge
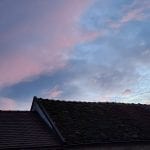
[[91, 102]]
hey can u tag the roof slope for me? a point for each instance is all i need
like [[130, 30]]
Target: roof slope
[[23, 129], [82, 122]]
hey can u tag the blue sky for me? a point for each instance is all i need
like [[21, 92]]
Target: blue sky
[[89, 50]]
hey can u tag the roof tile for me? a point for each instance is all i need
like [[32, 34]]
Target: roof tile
[[87, 122], [24, 129]]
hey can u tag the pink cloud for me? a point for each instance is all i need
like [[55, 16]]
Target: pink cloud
[[7, 104], [10, 104], [134, 12], [52, 93], [24, 62], [20, 67]]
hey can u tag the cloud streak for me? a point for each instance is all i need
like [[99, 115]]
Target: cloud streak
[[137, 11], [43, 46]]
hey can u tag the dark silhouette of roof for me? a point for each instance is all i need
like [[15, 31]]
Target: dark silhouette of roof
[[24, 129], [89, 122]]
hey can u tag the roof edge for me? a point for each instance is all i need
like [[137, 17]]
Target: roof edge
[[33, 101], [37, 101], [90, 102]]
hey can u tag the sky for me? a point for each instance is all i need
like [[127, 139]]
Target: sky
[[77, 50]]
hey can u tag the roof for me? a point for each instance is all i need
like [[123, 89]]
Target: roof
[[24, 129], [89, 122]]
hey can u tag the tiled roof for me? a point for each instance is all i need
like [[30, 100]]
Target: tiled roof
[[24, 129], [85, 123]]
